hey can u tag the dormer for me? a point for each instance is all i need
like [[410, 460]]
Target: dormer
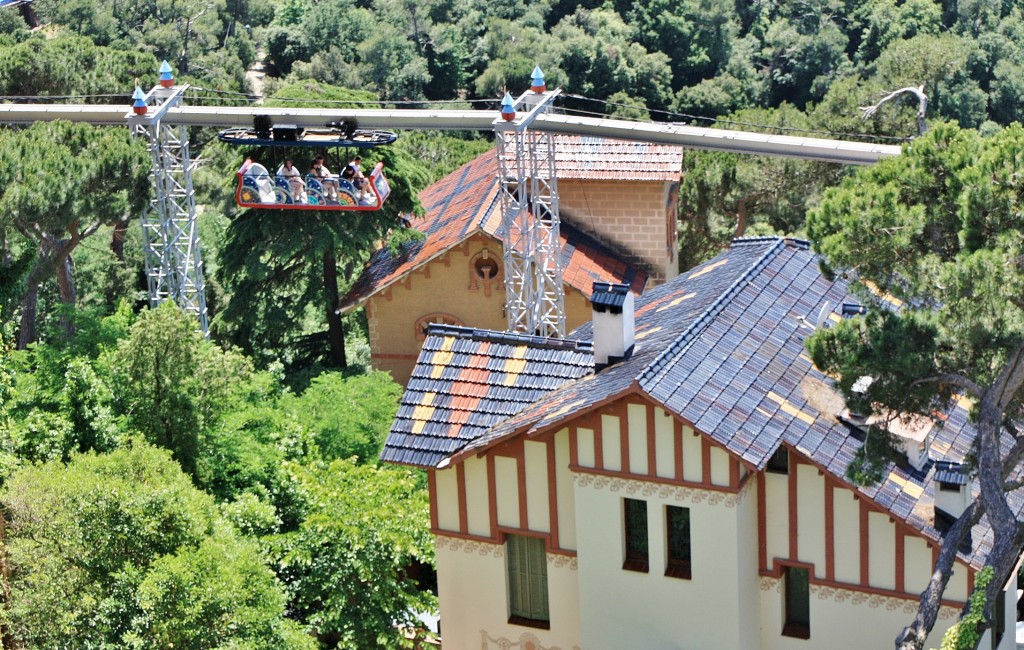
[[910, 434]]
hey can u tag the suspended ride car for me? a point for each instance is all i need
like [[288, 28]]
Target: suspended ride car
[[288, 189]]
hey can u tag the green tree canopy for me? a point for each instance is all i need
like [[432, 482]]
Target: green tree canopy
[[939, 230], [120, 550], [347, 566], [170, 384], [59, 183]]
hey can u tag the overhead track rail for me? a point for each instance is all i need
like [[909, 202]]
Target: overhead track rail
[[823, 149], [535, 301]]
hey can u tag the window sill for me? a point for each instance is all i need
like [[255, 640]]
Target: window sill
[[640, 566], [796, 630], [678, 571], [529, 622]]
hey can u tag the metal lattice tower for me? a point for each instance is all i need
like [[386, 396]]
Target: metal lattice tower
[[170, 236], [534, 295]]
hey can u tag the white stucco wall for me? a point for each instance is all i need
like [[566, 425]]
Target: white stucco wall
[[810, 520], [842, 619], [637, 431], [447, 500], [478, 512], [564, 491], [537, 509], [628, 609], [473, 589], [776, 515]]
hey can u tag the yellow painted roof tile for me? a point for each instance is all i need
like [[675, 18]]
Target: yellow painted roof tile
[[679, 299], [786, 406], [709, 268]]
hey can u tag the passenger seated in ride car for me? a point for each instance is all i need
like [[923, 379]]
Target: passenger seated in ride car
[[354, 172], [296, 185], [326, 178]]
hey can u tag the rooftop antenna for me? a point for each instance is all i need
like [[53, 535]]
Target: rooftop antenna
[[823, 315]]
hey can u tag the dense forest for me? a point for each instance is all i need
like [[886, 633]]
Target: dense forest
[[160, 489]]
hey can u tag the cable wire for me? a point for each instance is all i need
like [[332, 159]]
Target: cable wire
[[383, 103], [31, 98], [714, 120]]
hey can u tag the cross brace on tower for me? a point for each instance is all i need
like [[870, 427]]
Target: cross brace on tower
[[534, 295], [170, 235]]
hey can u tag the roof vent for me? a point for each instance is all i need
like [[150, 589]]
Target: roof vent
[[853, 309], [614, 323]]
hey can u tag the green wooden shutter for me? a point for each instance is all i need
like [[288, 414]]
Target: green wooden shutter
[[527, 577]]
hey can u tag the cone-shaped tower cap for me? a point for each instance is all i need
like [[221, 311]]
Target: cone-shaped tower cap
[[508, 107]]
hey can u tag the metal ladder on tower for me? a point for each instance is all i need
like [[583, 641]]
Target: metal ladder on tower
[[534, 295], [170, 235]]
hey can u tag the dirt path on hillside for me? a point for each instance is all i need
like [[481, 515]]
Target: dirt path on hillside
[[256, 74]]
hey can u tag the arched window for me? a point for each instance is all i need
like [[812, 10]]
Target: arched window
[[430, 319], [485, 270]]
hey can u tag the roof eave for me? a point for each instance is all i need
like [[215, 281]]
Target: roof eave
[[345, 308]]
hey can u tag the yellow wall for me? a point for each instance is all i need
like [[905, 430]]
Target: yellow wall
[[444, 286], [632, 215]]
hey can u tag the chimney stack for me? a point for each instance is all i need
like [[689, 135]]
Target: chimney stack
[[614, 324], [952, 489]]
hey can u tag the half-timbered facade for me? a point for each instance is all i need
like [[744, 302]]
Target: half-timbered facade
[[681, 486]]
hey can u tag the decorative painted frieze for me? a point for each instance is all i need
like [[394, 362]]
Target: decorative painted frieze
[[469, 546], [874, 601], [558, 561], [527, 641], [677, 493]]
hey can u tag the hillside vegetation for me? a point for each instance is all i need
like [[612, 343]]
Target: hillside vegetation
[[163, 490]]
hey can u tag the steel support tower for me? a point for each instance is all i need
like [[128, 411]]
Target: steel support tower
[[170, 236], [534, 296]]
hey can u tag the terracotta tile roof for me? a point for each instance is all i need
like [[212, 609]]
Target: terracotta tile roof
[[456, 207], [578, 157], [722, 347], [467, 380], [466, 202]]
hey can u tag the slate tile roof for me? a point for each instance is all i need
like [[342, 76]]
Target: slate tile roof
[[722, 347], [467, 380], [592, 158], [467, 202]]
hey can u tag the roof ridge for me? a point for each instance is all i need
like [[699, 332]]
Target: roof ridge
[[705, 318], [512, 338], [795, 242]]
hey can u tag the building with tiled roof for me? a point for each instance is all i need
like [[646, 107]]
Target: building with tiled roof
[[680, 483], [617, 202]]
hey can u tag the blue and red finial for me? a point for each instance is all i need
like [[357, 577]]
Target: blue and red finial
[[166, 76], [508, 108], [139, 102], [537, 84]]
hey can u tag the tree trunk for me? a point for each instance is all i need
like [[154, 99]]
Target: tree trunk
[[68, 296], [29, 15], [29, 306], [335, 328], [1008, 533], [8, 641], [54, 258], [117, 239], [914, 635]]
